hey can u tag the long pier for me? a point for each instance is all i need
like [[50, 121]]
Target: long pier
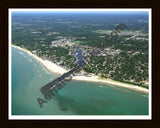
[[52, 84]]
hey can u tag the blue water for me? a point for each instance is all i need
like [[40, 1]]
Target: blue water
[[75, 98]]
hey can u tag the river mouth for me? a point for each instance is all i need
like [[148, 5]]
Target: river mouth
[[76, 98]]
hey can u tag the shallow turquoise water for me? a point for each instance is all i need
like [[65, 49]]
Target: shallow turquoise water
[[75, 98]]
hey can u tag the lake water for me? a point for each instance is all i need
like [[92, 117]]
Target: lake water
[[75, 98]]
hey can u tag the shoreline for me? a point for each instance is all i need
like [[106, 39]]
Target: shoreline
[[53, 68]]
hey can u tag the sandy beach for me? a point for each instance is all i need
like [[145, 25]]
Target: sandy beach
[[59, 70], [48, 64]]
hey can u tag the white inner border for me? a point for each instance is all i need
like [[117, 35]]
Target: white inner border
[[80, 117]]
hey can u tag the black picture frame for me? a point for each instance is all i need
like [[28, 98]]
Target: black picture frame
[[153, 4]]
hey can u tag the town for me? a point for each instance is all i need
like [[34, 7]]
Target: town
[[124, 58]]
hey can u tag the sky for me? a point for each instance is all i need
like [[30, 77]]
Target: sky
[[82, 11]]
